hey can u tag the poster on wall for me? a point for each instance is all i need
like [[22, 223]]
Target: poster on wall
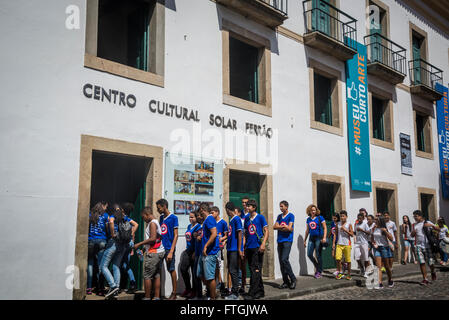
[[406, 154], [190, 180], [443, 138], [358, 124]]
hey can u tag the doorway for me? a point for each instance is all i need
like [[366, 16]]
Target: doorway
[[113, 171], [120, 178]]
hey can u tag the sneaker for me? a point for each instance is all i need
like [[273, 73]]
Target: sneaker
[[318, 275], [336, 273], [390, 284], [242, 290], [383, 269], [425, 282], [232, 297], [156, 298], [365, 275], [89, 291], [284, 286], [434, 276], [191, 296], [259, 295], [348, 277], [132, 288], [379, 286], [339, 276], [403, 263], [186, 293], [293, 285], [145, 298], [111, 292], [172, 296]]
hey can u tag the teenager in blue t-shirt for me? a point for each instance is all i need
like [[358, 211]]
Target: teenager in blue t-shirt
[[242, 275], [222, 234], [210, 247], [169, 232], [197, 237], [97, 239], [188, 256], [284, 226], [256, 235], [234, 249], [316, 228]]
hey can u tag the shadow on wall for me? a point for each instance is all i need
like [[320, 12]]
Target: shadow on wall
[[169, 4], [302, 256]]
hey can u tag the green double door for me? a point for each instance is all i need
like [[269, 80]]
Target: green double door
[[321, 16], [416, 51], [135, 263], [326, 203]]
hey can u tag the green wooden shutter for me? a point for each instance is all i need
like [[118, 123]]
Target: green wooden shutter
[[135, 263], [323, 99], [378, 119], [416, 46], [420, 133], [138, 36], [321, 16], [376, 48]]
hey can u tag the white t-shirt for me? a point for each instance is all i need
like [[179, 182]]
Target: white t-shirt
[[147, 236], [379, 238], [362, 237], [408, 233], [391, 227], [421, 239], [442, 233], [344, 238]]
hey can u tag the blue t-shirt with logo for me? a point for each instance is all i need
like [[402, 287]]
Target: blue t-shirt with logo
[[315, 226], [285, 221], [222, 228], [254, 230], [208, 225], [168, 225], [125, 219], [198, 246], [234, 225], [190, 245], [99, 230]]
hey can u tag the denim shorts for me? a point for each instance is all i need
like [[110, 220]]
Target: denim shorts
[[383, 252], [170, 265], [409, 243], [207, 266]]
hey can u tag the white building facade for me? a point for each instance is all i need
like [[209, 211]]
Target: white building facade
[[260, 87]]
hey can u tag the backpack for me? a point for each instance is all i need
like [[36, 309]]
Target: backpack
[[433, 240], [124, 232]]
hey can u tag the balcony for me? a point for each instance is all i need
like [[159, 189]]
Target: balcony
[[271, 13], [386, 59], [329, 29], [423, 78]]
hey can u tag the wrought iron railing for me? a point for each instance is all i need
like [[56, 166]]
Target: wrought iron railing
[[279, 5], [423, 73], [386, 52], [321, 16]]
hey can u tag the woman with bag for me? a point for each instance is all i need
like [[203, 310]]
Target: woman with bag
[[409, 241], [316, 227]]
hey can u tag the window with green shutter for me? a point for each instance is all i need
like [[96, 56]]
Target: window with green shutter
[[123, 32], [378, 109], [243, 70], [323, 99], [420, 127]]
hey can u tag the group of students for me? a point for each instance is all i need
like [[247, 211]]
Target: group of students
[[376, 239], [111, 239]]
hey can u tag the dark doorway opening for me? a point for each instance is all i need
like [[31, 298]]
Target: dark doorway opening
[[120, 178]]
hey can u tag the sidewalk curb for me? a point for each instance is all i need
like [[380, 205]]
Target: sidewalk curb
[[332, 286]]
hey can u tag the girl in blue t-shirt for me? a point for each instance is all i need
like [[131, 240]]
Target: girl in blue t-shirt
[[98, 221], [196, 238], [188, 257], [316, 228]]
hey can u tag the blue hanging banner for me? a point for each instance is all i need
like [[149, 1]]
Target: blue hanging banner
[[443, 138], [358, 122]]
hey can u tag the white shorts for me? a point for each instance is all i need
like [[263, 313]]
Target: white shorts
[[361, 252]]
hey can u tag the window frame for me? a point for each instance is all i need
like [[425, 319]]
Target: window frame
[[389, 142], [336, 96], [432, 205], [428, 134], [264, 106], [340, 194], [156, 55]]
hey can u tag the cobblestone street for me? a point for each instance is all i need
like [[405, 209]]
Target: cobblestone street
[[404, 289]]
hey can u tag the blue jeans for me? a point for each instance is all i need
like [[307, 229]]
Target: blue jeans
[[114, 252], [126, 266], [286, 269], [443, 254], [207, 266], [315, 245], [95, 251]]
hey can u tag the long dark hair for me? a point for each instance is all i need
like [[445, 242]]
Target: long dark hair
[[381, 222], [409, 224], [118, 213], [96, 212]]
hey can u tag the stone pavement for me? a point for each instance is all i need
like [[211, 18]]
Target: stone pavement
[[308, 285]]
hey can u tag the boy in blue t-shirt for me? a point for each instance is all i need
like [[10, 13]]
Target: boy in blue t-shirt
[[197, 236], [256, 234], [284, 226], [169, 232], [222, 234], [210, 246], [234, 248]]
